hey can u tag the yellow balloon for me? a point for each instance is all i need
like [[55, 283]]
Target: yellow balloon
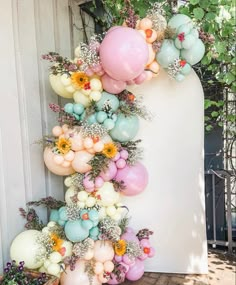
[[58, 87]]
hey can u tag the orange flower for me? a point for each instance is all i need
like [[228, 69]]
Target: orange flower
[[110, 150], [120, 247], [57, 242], [63, 145], [79, 79]]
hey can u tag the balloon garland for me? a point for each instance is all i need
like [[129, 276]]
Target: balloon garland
[[87, 240]]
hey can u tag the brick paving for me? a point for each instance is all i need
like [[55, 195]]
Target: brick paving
[[221, 266]]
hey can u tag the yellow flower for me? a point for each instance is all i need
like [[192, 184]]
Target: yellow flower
[[110, 150], [79, 79], [63, 145], [120, 247], [57, 242]]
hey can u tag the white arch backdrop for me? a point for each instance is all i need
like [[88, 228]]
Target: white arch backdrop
[[173, 204]]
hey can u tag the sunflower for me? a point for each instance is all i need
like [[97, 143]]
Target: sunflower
[[63, 145], [110, 150], [79, 79], [120, 247], [57, 242]]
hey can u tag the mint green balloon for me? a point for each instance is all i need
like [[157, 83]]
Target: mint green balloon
[[179, 77], [179, 20], [185, 28], [195, 33], [186, 69], [110, 99], [125, 128], [167, 54], [189, 41], [195, 53]]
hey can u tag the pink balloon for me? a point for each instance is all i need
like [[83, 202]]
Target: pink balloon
[[136, 271], [99, 182], [121, 163], [135, 178], [88, 182], [114, 281], [53, 166], [111, 85], [77, 276], [89, 72], [129, 235], [110, 173], [127, 260], [142, 77], [124, 53], [80, 162]]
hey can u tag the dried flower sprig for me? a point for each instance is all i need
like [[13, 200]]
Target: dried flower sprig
[[133, 249], [135, 153], [64, 118], [88, 56], [130, 105], [48, 202], [93, 131], [73, 212], [71, 261], [98, 163], [81, 248], [119, 186], [89, 269], [123, 224], [156, 14], [15, 274], [119, 271], [175, 67], [46, 244], [32, 218], [144, 234], [109, 230], [77, 181]]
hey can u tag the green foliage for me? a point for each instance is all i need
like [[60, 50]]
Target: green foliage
[[216, 19]]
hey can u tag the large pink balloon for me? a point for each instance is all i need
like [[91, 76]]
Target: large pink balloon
[[53, 167], [111, 85], [80, 162], [124, 53], [136, 271], [77, 276], [134, 177], [110, 172]]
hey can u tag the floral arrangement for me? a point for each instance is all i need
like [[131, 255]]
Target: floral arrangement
[[87, 240]]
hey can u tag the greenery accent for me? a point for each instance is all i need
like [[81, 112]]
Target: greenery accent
[[98, 163]]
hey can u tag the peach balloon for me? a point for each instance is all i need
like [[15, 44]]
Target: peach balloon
[[89, 254], [57, 131], [77, 142], [155, 67], [149, 75], [103, 250], [91, 150], [66, 163], [151, 54], [80, 162], [88, 142], [108, 266], [145, 24], [98, 267], [98, 146], [78, 276], [58, 159], [151, 35], [69, 156], [65, 128], [53, 167]]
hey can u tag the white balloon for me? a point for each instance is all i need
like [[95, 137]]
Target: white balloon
[[96, 84], [55, 257], [82, 196], [70, 192], [65, 80], [27, 248], [68, 181], [90, 202], [54, 269], [109, 196]]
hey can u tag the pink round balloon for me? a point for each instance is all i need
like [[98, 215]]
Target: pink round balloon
[[135, 178], [88, 182], [142, 77], [136, 271], [124, 53], [80, 162], [77, 276], [111, 85], [99, 182], [129, 235], [120, 163], [110, 172], [53, 166]]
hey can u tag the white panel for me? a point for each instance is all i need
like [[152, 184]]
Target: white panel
[[173, 204]]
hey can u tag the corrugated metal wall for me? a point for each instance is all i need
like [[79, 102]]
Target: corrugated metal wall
[[28, 29]]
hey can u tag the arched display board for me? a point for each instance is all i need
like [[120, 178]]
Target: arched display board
[[173, 204]]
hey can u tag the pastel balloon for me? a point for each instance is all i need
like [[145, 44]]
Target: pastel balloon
[[109, 196], [145, 24], [25, 247], [123, 53], [57, 131], [135, 178], [151, 54], [112, 85], [80, 162], [178, 20], [110, 172], [140, 78], [75, 231], [167, 54], [106, 99], [77, 142], [195, 53], [78, 276], [81, 98], [53, 166], [125, 128], [135, 271], [58, 87], [103, 250], [129, 235], [108, 266]]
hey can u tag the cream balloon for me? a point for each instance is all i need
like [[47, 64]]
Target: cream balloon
[[25, 247], [79, 97], [80, 162], [109, 196], [53, 167], [70, 193], [55, 257], [54, 269], [58, 87], [67, 245]]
